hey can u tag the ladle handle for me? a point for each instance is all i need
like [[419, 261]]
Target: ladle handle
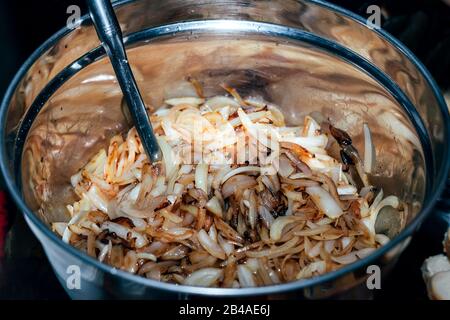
[[110, 34]]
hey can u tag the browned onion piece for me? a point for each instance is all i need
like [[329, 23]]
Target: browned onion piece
[[227, 231], [303, 167], [275, 251], [176, 253], [204, 277], [229, 273], [286, 169], [299, 182], [236, 183], [331, 186]]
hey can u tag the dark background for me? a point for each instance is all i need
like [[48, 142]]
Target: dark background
[[424, 26]]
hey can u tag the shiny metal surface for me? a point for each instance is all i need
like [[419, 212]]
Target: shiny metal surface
[[109, 32], [66, 105]]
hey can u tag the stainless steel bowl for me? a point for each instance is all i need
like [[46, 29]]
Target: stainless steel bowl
[[64, 104]]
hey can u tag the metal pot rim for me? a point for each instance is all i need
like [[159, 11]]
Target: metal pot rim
[[281, 288]]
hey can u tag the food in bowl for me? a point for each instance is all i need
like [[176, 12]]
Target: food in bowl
[[240, 199]]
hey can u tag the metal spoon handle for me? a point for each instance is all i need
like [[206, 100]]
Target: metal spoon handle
[[109, 32]]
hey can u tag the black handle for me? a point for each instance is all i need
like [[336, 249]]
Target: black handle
[[110, 34]]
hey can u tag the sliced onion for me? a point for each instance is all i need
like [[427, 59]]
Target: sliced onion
[[318, 267], [252, 264], [170, 163], [369, 221], [171, 216], [74, 220], [311, 127], [346, 190], [209, 245], [124, 233], [257, 102], [213, 233], [219, 174], [276, 229], [98, 199], [76, 179], [180, 233], [190, 208], [377, 200], [239, 171], [369, 150], [276, 115], [345, 259], [130, 262], [59, 227], [274, 277], [325, 202], [313, 231], [353, 256], [293, 195], [178, 189], [362, 253], [315, 250], [275, 251], [285, 169], [237, 182], [329, 245], [254, 116], [160, 187], [201, 177], [215, 221], [104, 251], [146, 256], [193, 101], [227, 247], [245, 276], [300, 182], [218, 102], [264, 272], [388, 201], [382, 239], [252, 214], [346, 241], [227, 231], [307, 142], [266, 216], [205, 277], [214, 206], [176, 253], [264, 134]]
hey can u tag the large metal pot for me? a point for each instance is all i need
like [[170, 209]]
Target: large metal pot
[[64, 104]]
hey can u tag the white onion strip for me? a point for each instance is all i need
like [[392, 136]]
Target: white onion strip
[[325, 202], [209, 245], [201, 177], [239, 171], [369, 150]]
